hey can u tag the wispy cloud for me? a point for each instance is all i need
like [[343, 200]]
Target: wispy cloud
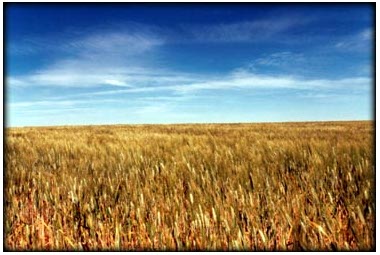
[[107, 57], [59, 78], [246, 31], [59, 103], [123, 43], [366, 34], [280, 59], [79, 74], [246, 80], [125, 39], [241, 80], [131, 38], [358, 42], [15, 82]]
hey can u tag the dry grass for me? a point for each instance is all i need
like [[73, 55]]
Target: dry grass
[[289, 186]]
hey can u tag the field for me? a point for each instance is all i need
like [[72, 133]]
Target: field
[[266, 187]]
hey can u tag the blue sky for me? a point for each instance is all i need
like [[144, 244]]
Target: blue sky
[[187, 63]]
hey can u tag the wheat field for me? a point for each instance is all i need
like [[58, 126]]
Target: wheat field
[[212, 187]]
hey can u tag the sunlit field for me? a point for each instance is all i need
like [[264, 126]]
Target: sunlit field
[[255, 187]]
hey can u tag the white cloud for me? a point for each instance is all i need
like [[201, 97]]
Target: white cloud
[[241, 80], [57, 78], [15, 82], [116, 83], [83, 75]]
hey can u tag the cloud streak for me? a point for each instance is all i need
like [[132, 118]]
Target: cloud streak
[[126, 39], [131, 38], [245, 81], [358, 42], [245, 31], [61, 103], [280, 59]]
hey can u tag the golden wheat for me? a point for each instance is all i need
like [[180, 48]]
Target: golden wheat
[[285, 186]]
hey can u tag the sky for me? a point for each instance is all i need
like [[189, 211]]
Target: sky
[[86, 64]]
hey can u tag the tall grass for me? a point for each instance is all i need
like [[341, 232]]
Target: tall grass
[[266, 187]]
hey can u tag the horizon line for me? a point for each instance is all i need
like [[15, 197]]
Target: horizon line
[[186, 123]]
